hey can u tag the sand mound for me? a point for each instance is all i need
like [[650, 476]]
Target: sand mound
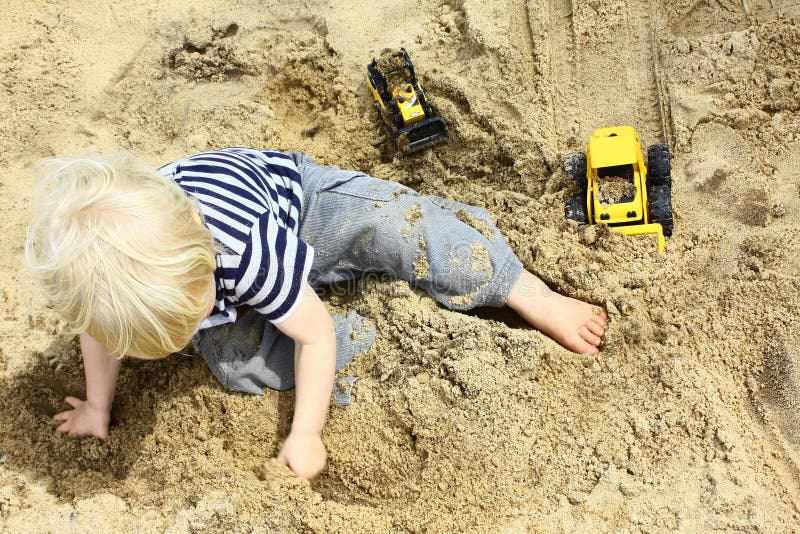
[[687, 420]]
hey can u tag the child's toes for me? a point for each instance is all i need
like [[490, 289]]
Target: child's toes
[[580, 346], [599, 321], [589, 336], [596, 328]]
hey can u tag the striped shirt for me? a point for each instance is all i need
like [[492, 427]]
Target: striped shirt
[[251, 201]]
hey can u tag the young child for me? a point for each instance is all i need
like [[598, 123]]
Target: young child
[[142, 261]]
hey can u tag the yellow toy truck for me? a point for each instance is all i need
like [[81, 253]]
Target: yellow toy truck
[[411, 121], [617, 188]]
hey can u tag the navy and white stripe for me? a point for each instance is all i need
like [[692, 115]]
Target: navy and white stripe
[[251, 200]]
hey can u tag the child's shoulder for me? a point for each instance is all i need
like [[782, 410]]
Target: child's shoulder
[[231, 156]]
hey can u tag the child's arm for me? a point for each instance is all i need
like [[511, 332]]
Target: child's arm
[[91, 417], [311, 328]]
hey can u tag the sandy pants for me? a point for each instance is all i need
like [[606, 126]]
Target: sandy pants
[[361, 226]]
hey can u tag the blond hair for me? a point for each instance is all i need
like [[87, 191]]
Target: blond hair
[[121, 253]]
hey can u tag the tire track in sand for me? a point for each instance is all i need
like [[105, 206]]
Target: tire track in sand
[[562, 71], [604, 69], [656, 98]]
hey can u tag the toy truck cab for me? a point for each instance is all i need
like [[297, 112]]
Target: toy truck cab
[[615, 187], [408, 104], [616, 174]]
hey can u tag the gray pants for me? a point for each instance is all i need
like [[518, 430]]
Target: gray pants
[[362, 226]]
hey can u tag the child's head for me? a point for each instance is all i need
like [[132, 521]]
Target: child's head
[[121, 253]]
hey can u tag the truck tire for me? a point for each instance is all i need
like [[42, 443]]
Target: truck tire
[[659, 199], [575, 167], [658, 167], [575, 209]]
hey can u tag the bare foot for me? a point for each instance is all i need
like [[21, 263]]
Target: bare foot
[[576, 325]]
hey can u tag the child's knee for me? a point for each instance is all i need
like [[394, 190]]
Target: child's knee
[[477, 218], [460, 271]]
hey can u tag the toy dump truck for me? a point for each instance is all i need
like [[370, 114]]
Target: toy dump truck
[[412, 123], [617, 188]]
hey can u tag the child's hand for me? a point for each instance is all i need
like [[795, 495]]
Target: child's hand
[[304, 454], [83, 420]]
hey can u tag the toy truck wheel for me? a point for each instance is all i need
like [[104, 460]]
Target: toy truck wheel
[[575, 167], [575, 209], [660, 199], [658, 167]]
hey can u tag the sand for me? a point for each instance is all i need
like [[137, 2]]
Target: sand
[[613, 188], [688, 420]]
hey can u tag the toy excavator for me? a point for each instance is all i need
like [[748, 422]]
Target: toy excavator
[[411, 121], [617, 188]]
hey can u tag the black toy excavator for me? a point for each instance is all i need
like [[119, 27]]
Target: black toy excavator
[[411, 121]]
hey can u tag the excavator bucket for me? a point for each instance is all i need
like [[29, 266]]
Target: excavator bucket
[[427, 132], [644, 229]]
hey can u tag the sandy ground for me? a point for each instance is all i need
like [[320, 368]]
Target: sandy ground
[[689, 420]]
